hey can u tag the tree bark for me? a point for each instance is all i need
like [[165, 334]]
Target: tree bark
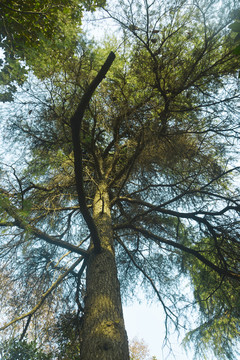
[[103, 333]]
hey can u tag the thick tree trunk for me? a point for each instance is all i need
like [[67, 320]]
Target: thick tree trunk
[[103, 333]]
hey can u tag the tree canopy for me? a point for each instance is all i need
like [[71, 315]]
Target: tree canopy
[[33, 32], [126, 162]]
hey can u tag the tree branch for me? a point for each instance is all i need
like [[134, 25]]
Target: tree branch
[[76, 122], [190, 215], [23, 224], [26, 327], [159, 239]]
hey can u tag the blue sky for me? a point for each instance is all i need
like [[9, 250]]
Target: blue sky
[[147, 322]]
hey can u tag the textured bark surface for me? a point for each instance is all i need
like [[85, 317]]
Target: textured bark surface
[[103, 335]]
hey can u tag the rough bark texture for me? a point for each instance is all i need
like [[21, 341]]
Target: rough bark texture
[[103, 335]]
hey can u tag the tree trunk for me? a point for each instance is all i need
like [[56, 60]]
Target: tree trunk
[[103, 333]]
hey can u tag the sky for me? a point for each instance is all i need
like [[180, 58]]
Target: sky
[[147, 322]]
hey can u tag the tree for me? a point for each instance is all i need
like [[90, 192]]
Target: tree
[[128, 169], [138, 350]]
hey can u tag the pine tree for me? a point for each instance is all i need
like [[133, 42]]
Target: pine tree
[[127, 177]]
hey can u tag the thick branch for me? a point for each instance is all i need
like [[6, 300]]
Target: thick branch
[[23, 224], [76, 122], [187, 215]]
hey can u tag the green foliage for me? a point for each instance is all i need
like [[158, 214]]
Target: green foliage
[[22, 350], [235, 27], [35, 32], [218, 300], [67, 332], [26, 24]]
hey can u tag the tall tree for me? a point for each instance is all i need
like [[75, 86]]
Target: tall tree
[[128, 169]]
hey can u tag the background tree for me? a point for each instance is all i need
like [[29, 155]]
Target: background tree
[[127, 164], [138, 350], [33, 32]]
